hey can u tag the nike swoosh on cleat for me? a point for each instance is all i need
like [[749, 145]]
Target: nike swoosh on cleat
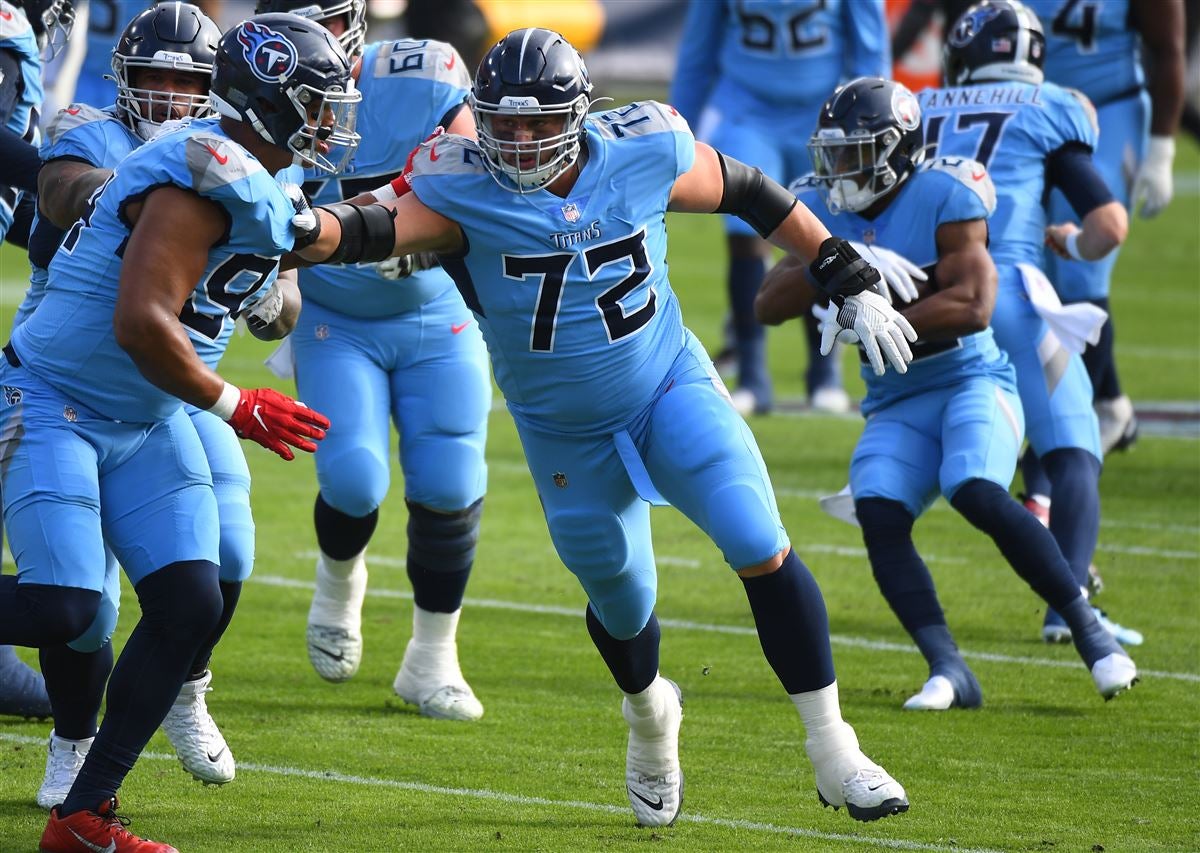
[[338, 657], [111, 848], [876, 787], [657, 806], [213, 758]]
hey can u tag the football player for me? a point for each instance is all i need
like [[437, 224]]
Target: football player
[[749, 79], [552, 226], [163, 65], [1032, 135], [1099, 49], [187, 234], [953, 423], [394, 342]]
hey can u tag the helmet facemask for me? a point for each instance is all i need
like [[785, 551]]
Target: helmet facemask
[[503, 156], [855, 171], [145, 110], [327, 142]]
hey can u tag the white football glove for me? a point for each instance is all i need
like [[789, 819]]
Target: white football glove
[[868, 320], [266, 310], [1153, 185], [896, 272], [305, 223]]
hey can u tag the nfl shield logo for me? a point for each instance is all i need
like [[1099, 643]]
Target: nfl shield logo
[[321, 332], [570, 212], [869, 236], [560, 479]]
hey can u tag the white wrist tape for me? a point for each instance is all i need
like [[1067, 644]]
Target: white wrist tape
[[227, 403], [1071, 245], [385, 193]]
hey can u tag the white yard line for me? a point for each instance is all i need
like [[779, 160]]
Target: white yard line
[[686, 624], [326, 776]]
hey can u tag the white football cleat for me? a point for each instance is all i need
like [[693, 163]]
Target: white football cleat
[[64, 758], [431, 679], [198, 742], [846, 777], [653, 777], [334, 633], [1114, 674], [936, 695]]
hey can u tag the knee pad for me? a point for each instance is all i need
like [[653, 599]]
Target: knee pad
[[101, 629], [237, 530], [354, 481], [443, 541], [54, 615], [341, 536]]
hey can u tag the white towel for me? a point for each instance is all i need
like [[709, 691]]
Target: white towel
[[281, 362], [1076, 325]]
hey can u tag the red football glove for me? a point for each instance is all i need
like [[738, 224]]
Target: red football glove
[[275, 420], [402, 184]]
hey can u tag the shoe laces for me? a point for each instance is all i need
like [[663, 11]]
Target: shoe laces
[[111, 821]]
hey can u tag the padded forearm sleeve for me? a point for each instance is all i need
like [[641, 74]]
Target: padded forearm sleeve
[[368, 232], [753, 197]]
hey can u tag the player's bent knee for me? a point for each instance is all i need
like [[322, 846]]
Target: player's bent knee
[[459, 402], [449, 476], [237, 550], [182, 599], [353, 482], [53, 615], [444, 541], [625, 610], [100, 631], [743, 525]]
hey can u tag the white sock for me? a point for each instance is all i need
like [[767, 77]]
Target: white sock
[[81, 746], [341, 587], [432, 653], [434, 629], [645, 712], [822, 717]]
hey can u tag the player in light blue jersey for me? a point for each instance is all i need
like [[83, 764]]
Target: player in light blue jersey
[[1104, 50], [1033, 135], [20, 95], [183, 237], [951, 425], [751, 75], [377, 348], [83, 145], [553, 228]]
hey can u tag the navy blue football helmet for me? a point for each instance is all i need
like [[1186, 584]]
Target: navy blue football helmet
[[51, 21], [867, 142], [352, 38], [995, 40], [530, 73], [289, 79], [176, 36]]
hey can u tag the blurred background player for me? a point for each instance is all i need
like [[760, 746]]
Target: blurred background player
[[952, 424], [1128, 58], [163, 66], [751, 76], [394, 342], [187, 233], [25, 30], [1033, 135], [553, 227]]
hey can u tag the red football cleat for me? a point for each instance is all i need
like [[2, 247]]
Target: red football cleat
[[95, 831]]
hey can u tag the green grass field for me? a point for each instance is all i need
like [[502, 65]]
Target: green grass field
[[1045, 765]]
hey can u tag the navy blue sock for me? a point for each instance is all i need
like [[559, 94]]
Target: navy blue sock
[[75, 683], [1090, 639], [341, 536], [634, 662], [38, 615], [441, 551], [231, 591], [1034, 474], [745, 277], [793, 627], [1074, 506], [1099, 360], [940, 650], [181, 604], [1026, 545]]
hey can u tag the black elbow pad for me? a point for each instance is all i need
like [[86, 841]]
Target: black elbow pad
[[753, 197], [368, 232]]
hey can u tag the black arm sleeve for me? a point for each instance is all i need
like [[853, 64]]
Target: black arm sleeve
[[44, 242], [753, 197], [12, 84], [1070, 170], [18, 232], [19, 162]]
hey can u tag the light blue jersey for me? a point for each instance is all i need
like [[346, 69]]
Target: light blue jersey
[[1011, 128], [87, 134], [68, 340], [942, 190], [571, 293], [106, 20], [1092, 46], [407, 87], [784, 53], [16, 37]]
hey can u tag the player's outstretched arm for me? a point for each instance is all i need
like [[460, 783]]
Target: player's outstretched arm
[[166, 255], [1162, 27], [64, 187]]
